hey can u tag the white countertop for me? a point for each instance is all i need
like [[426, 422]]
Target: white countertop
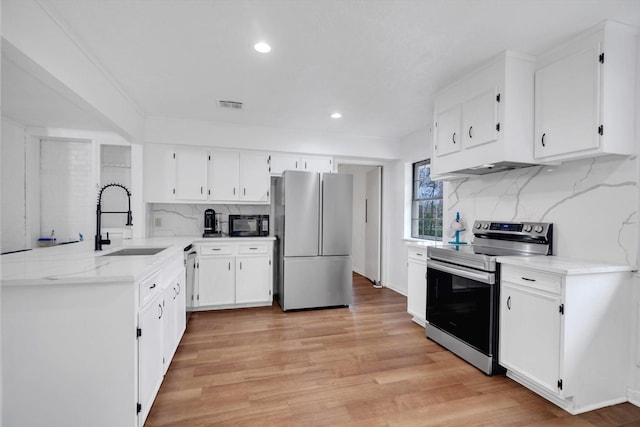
[[563, 265], [78, 263], [417, 243]]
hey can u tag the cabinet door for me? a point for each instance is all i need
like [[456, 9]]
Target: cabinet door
[[417, 289], [282, 162], [567, 113], [168, 326], [530, 324], [317, 164], [150, 352], [253, 282], [180, 301], [448, 131], [191, 173], [480, 119], [255, 180], [216, 280], [224, 175], [159, 173]]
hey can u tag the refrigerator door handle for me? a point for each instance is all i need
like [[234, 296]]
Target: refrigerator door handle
[[366, 211]]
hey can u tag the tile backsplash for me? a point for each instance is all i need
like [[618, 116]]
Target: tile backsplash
[[592, 202], [188, 219]]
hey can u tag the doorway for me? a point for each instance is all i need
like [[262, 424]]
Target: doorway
[[367, 219]]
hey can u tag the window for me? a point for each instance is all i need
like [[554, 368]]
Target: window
[[426, 211]]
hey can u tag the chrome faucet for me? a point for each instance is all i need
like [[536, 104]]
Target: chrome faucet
[[99, 241]]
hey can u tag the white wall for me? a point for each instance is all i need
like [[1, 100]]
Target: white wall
[[359, 173], [13, 196], [225, 135], [34, 38]]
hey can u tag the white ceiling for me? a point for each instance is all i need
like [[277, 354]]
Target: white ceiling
[[378, 62]]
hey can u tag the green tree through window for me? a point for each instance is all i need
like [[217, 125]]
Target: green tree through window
[[426, 211]]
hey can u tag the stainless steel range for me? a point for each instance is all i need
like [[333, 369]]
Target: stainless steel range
[[463, 288]]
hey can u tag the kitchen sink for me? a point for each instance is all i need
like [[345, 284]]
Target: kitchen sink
[[135, 251]]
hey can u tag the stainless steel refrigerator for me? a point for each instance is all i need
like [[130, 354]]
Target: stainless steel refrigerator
[[313, 226]]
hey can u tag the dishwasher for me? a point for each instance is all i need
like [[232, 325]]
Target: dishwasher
[[190, 271]]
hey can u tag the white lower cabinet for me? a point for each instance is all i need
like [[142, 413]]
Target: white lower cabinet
[[234, 274], [216, 280], [417, 284], [150, 354], [565, 335], [174, 315]]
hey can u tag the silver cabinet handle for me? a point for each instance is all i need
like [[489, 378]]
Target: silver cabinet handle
[[229, 266], [542, 140], [527, 279], [453, 137], [152, 286], [470, 127], [161, 311], [509, 303]]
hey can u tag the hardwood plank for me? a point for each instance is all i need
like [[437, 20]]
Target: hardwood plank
[[366, 365]]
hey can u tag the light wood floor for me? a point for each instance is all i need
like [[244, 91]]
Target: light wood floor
[[367, 365]]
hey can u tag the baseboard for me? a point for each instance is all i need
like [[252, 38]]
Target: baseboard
[[357, 270], [633, 396], [404, 293]]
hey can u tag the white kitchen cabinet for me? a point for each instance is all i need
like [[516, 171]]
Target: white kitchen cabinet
[[216, 280], [150, 352], [279, 163], [174, 307], [564, 335], [417, 284], [191, 173], [234, 273], [239, 176], [584, 100], [480, 118], [317, 164], [448, 138], [530, 323], [255, 181], [253, 273], [159, 173], [223, 176], [484, 121]]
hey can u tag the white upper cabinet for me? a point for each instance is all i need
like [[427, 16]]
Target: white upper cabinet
[[584, 97], [481, 124], [485, 120], [255, 181], [159, 173], [448, 130], [224, 174], [191, 173], [239, 176], [279, 163]]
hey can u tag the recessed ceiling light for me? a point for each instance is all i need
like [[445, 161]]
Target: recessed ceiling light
[[336, 115], [262, 47]]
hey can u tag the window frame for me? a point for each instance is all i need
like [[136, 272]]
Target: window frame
[[415, 201]]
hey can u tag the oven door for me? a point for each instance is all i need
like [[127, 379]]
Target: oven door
[[461, 302]]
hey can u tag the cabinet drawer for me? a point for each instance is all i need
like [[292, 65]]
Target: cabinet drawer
[[532, 279], [417, 253], [253, 248], [148, 287], [218, 249]]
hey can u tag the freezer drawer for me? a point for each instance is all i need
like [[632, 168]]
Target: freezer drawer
[[314, 282]]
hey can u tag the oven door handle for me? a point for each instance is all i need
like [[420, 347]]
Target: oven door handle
[[468, 273]]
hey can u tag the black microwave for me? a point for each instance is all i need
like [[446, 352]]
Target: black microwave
[[248, 225]]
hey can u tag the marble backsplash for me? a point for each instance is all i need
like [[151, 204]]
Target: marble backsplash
[[188, 219], [592, 203]]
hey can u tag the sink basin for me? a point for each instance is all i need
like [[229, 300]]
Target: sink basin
[[135, 251]]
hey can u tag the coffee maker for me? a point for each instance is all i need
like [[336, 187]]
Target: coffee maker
[[209, 223]]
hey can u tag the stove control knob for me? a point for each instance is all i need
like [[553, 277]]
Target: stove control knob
[[478, 225], [527, 228], [485, 226], [537, 229]]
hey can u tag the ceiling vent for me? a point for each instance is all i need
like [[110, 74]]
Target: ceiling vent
[[234, 105]]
